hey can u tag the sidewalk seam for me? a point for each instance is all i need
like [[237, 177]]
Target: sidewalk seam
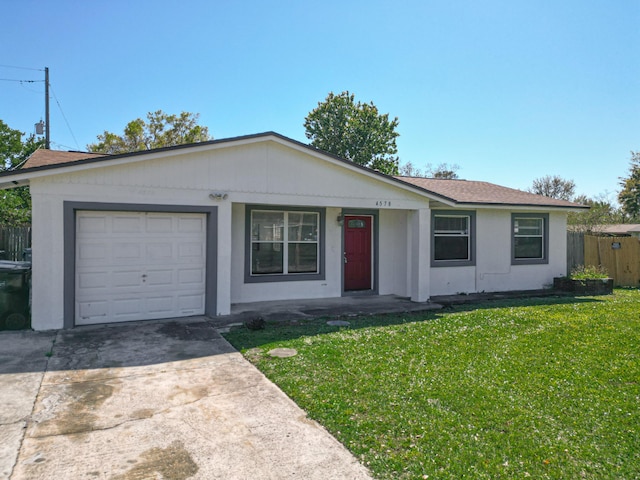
[[27, 419]]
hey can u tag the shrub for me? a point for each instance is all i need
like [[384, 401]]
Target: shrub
[[585, 272]]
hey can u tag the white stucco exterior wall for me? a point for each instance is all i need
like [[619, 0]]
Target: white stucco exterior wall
[[256, 292], [393, 231], [269, 173], [47, 262], [493, 271], [263, 173], [420, 255], [224, 263]]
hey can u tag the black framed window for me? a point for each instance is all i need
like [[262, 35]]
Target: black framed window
[[452, 238]]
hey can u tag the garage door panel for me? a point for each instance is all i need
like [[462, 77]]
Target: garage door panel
[[127, 307], [125, 279], [160, 251], [93, 251], [126, 224], [190, 276], [190, 303], [158, 305], [93, 311], [89, 280], [190, 251], [92, 224], [188, 225], [127, 251], [137, 266], [160, 278], [160, 224]]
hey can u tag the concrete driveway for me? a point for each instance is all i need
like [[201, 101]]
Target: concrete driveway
[[165, 400]]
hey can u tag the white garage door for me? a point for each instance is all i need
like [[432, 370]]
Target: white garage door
[[139, 266]]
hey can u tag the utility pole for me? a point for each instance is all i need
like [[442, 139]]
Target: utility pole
[[47, 138]]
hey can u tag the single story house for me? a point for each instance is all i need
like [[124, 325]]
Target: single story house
[[192, 229]]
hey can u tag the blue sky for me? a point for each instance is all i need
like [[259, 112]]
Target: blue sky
[[509, 90]]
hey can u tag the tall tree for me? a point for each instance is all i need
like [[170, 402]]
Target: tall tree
[[15, 204], [355, 131], [160, 130], [554, 187], [629, 196], [601, 212]]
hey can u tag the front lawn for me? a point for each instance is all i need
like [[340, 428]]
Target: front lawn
[[538, 388]]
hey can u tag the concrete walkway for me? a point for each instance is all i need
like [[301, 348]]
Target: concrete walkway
[[161, 400], [283, 310], [169, 400]]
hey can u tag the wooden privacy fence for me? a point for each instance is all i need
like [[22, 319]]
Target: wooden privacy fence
[[575, 250], [13, 240], [619, 255]]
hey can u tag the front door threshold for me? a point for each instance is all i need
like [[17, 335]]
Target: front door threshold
[[359, 293]]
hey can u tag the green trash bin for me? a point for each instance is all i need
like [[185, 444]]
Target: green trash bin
[[15, 280]]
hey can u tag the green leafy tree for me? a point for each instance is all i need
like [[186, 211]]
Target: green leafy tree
[[15, 204], [554, 187], [601, 212], [159, 130], [355, 131], [629, 196]]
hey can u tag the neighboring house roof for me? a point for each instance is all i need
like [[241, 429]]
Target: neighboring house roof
[[619, 229], [473, 192], [43, 157], [449, 192]]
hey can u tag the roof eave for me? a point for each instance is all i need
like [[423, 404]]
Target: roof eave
[[9, 179], [522, 206], [17, 178], [155, 153]]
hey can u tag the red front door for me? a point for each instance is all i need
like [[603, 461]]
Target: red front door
[[357, 252]]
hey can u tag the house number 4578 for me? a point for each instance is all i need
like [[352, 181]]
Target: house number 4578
[[383, 203]]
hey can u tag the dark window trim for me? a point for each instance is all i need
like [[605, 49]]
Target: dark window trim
[[283, 277], [545, 240], [472, 238], [69, 253]]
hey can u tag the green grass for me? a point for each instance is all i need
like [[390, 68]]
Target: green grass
[[538, 388]]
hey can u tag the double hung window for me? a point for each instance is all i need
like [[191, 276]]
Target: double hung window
[[453, 242], [530, 238]]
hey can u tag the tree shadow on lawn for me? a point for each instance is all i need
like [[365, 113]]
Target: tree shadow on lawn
[[276, 330]]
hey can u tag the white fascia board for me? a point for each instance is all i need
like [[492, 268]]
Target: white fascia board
[[15, 181]]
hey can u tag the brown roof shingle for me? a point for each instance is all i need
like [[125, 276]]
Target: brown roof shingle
[[455, 191], [472, 192], [43, 157]]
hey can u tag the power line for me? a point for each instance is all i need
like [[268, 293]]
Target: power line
[[66, 147], [64, 116], [21, 81], [23, 68]]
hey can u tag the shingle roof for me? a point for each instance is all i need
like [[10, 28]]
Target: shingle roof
[[472, 192], [43, 157], [455, 191], [621, 228]]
